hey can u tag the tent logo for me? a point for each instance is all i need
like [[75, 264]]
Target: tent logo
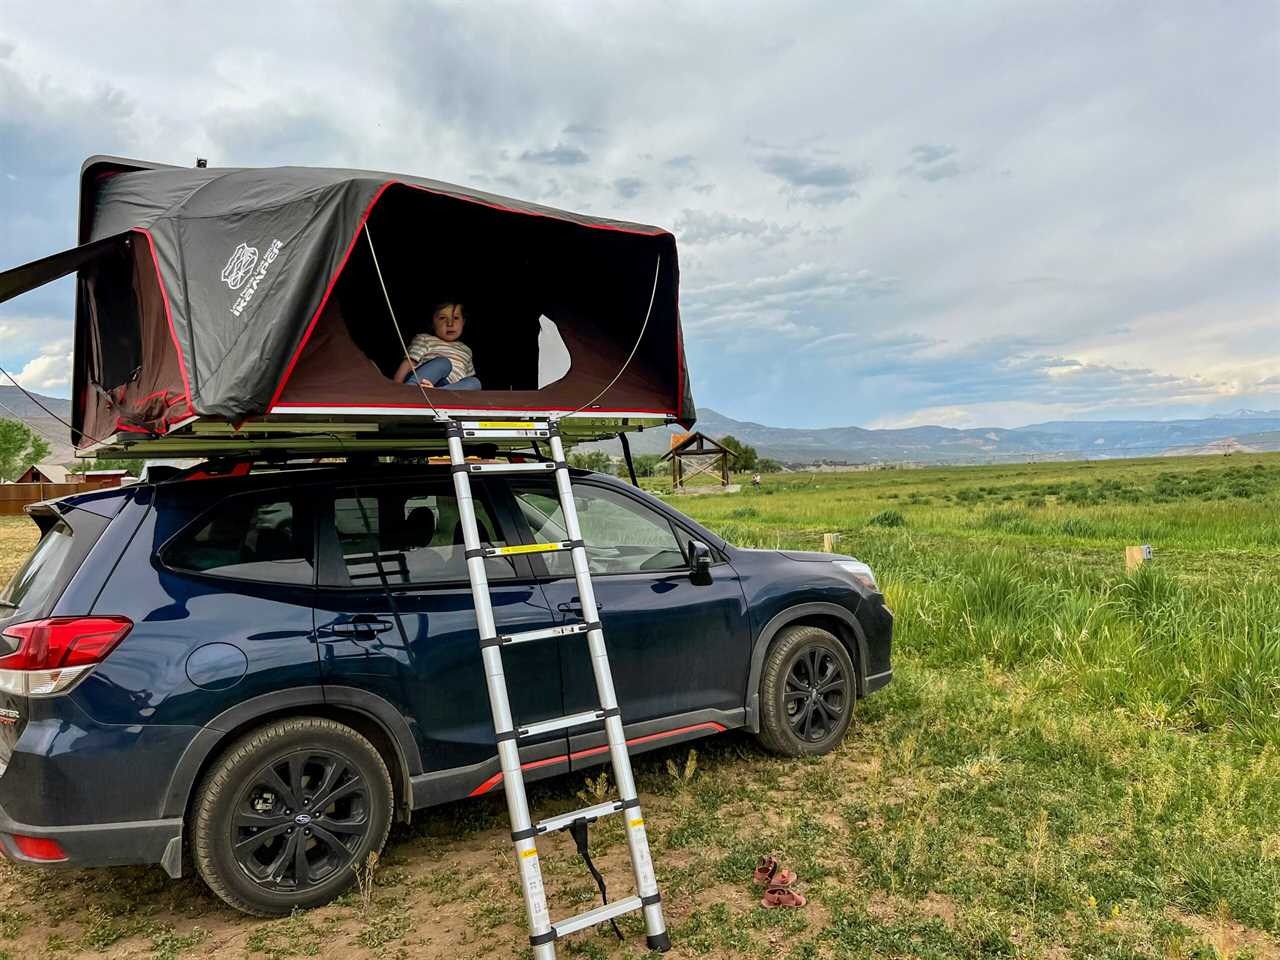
[[241, 264]]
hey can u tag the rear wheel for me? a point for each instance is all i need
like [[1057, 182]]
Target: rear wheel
[[807, 692], [284, 816]]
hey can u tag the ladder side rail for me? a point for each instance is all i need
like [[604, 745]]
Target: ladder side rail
[[637, 839], [535, 896]]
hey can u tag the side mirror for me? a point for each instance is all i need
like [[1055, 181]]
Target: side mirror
[[699, 563]]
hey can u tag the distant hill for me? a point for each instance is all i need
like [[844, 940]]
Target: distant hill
[[1057, 440], [14, 405], [1244, 430]]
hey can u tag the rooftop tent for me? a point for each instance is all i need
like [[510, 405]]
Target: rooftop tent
[[253, 296]]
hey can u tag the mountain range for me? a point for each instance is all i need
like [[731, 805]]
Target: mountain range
[[14, 405], [1243, 431]]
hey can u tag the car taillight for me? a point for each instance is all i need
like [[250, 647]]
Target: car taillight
[[53, 654]]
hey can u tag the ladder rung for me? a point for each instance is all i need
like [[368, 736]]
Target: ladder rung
[[539, 466], [527, 548], [508, 429], [561, 723], [552, 824], [599, 915], [525, 636]]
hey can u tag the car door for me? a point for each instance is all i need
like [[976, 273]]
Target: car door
[[679, 651], [395, 616]]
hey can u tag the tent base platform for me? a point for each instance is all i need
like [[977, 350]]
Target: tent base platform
[[343, 430]]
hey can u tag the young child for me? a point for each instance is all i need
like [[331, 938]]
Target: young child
[[440, 359]]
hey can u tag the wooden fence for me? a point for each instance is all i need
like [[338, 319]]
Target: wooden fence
[[14, 497]]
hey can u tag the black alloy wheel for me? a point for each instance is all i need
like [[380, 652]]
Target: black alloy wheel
[[300, 820], [816, 693], [284, 816], [808, 688]]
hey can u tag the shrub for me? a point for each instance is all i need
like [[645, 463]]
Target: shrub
[[888, 518]]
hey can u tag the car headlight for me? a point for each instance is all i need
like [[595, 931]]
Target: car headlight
[[860, 571]]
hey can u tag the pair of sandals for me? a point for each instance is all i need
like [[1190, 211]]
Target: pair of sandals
[[777, 882]]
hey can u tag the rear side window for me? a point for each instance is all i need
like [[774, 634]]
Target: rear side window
[[66, 540], [248, 538], [408, 534], [38, 582]]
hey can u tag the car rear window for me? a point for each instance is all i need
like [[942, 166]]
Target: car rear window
[[66, 540], [36, 585], [248, 538]]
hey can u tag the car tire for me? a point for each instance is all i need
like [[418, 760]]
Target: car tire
[[316, 797], [808, 689]]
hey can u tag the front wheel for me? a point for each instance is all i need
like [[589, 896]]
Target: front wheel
[[807, 691], [285, 815]]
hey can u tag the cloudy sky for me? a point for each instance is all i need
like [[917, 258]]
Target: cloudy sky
[[888, 214]]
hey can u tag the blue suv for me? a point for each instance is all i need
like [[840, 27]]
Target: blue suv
[[266, 667]]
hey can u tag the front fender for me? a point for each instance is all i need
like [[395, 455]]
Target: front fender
[[801, 611]]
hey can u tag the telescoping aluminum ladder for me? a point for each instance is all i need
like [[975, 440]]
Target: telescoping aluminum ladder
[[543, 931]]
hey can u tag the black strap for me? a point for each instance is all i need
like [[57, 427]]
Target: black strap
[[578, 830], [527, 833], [542, 938]]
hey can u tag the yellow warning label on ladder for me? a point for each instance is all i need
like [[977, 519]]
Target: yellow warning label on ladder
[[528, 548]]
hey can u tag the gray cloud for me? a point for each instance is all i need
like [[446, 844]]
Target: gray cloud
[[628, 187], [558, 156], [933, 162], [1270, 381], [704, 226], [583, 130], [812, 181]]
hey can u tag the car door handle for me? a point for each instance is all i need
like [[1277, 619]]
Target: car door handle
[[575, 606], [360, 626]]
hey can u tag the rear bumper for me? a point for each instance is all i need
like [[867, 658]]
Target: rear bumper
[[101, 844]]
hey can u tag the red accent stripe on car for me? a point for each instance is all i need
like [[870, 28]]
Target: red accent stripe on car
[[496, 779]]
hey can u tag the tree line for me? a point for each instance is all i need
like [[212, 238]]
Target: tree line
[[21, 447]]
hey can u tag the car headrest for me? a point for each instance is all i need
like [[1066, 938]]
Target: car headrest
[[419, 527]]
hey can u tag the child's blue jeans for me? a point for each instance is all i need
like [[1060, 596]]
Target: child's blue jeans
[[435, 371]]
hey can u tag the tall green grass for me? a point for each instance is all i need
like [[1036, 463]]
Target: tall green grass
[[1022, 566]]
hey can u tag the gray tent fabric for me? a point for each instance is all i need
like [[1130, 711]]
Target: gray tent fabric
[[248, 257]]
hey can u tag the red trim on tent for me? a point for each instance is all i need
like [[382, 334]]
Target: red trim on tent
[[168, 314], [497, 777], [351, 246], [679, 361], [288, 372]]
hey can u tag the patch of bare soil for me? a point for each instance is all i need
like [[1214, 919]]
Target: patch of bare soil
[[1229, 937]]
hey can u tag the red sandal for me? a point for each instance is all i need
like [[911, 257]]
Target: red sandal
[[781, 897], [769, 874]]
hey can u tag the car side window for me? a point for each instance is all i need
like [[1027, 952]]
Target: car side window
[[408, 534], [249, 538], [621, 535]]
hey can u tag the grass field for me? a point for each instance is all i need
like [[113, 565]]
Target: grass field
[[1070, 762]]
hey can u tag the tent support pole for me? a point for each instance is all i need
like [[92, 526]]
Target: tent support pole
[[626, 455]]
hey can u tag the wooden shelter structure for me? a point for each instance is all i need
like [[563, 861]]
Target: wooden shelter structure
[[696, 454]]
